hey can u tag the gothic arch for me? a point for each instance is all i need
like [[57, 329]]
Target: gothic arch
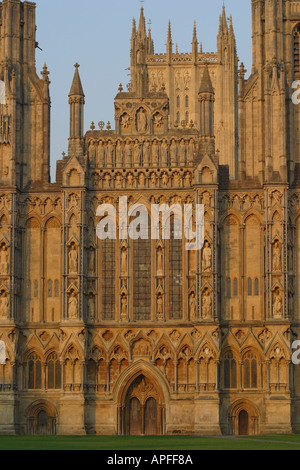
[[41, 418], [252, 412], [136, 388]]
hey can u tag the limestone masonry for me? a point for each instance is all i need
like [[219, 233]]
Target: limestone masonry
[[142, 336]]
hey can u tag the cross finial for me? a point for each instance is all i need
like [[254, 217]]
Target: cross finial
[[76, 65]]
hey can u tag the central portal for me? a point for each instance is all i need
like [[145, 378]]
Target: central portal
[[143, 413]]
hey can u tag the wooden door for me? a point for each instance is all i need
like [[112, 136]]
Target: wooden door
[[151, 417], [243, 423], [135, 418], [42, 423]]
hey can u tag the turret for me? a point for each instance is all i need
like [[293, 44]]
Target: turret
[[76, 102]]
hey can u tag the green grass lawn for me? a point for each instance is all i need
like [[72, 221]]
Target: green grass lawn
[[169, 443]]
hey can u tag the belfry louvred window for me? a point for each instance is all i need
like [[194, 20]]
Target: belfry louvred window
[[297, 52]]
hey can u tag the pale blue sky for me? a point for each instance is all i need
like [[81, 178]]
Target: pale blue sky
[[96, 34]]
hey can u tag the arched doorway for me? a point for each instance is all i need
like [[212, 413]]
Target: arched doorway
[[243, 423], [243, 419], [41, 419], [143, 413]]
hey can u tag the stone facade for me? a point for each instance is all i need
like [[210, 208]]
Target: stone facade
[[141, 336]]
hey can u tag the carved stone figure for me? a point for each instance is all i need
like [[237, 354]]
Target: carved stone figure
[[277, 264], [192, 305], [137, 154], [155, 154], [91, 307], [146, 153], [182, 153], [207, 304], [164, 153], [73, 306], [277, 303], [124, 306], [141, 121], [128, 154], [4, 260], [91, 265], [101, 155], [4, 306], [119, 155], [173, 153], [160, 306], [206, 257], [123, 261], [160, 269], [73, 260]]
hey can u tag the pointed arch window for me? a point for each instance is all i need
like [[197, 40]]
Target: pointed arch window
[[54, 372], [175, 272], [142, 275], [230, 371], [34, 372], [297, 52], [108, 279], [250, 371]]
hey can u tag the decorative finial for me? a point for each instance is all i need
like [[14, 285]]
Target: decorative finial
[[93, 126], [120, 88], [76, 65]]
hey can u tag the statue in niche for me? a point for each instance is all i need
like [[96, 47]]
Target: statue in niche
[[207, 304], [4, 305], [277, 256], [160, 306], [191, 151], [176, 180], [160, 268], [141, 121], [164, 153], [119, 181], [119, 155], [91, 307], [173, 153], [137, 154], [73, 260], [107, 180], [153, 180], [124, 306], [123, 261], [207, 257], [277, 303], [91, 265], [187, 180], [73, 306], [155, 153], [192, 305], [182, 153], [101, 155], [4, 260], [146, 153], [130, 180], [164, 179], [141, 180], [110, 153], [128, 154]]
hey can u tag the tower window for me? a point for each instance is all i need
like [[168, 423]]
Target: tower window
[[297, 51]]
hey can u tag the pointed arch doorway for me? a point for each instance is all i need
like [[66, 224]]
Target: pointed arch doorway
[[143, 413]]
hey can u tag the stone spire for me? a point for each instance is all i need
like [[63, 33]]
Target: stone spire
[[76, 102], [76, 88], [169, 43], [142, 33], [195, 42], [206, 85]]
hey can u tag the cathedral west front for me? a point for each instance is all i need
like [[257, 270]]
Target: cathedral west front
[[140, 336]]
